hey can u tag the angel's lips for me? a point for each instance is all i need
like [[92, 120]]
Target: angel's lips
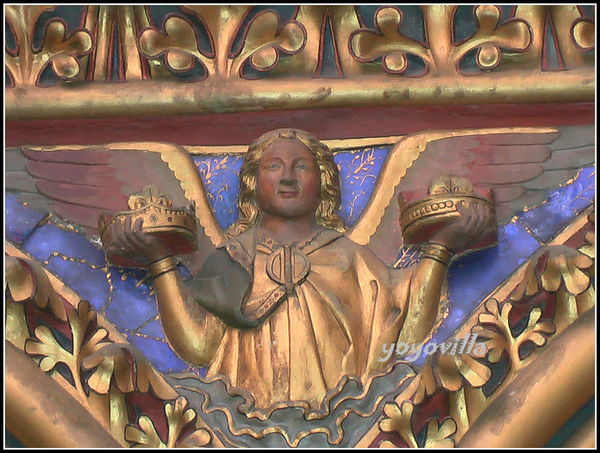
[[290, 193]]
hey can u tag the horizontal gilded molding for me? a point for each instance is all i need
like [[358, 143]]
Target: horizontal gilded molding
[[256, 58], [153, 98]]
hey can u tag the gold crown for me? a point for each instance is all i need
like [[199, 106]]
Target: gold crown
[[419, 219], [175, 226]]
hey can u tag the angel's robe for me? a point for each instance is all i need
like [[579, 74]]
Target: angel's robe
[[296, 344]]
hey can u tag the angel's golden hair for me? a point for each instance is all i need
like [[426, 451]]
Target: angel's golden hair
[[331, 197]]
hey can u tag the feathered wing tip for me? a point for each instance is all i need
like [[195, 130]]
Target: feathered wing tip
[[519, 165], [79, 184]]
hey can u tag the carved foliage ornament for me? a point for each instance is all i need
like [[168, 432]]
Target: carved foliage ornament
[[554, 289], [584, 34], [263, 42], [224, 40], [26, 64], [103, 373], [440, 56]]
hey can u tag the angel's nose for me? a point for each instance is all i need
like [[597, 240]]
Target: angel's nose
[[288, 181], [288, 177]]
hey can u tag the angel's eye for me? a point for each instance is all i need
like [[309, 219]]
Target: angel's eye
[[273, 166], [303, 165]]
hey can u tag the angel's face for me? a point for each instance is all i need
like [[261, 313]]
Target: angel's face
[[288, 180]]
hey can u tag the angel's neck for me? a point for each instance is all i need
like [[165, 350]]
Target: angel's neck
[[288, 229]]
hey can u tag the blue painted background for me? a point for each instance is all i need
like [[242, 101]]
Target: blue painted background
[[125, 296]]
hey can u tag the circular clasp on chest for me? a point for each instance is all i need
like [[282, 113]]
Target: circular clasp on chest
[[288, 266]]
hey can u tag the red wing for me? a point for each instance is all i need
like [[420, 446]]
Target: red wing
[[79, 184], [520, 164]]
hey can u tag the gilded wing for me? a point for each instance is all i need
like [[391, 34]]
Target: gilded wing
[[79, 183], [520, 164]]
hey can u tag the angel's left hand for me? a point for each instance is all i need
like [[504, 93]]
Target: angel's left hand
[[466, 230]]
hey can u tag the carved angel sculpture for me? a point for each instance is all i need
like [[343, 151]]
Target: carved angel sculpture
[[288, 303]]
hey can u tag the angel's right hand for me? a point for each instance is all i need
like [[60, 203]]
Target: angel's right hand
[[459, 235], [130, 241]]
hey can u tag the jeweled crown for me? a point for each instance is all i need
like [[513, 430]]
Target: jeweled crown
[[176, 226], [420, 218]]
